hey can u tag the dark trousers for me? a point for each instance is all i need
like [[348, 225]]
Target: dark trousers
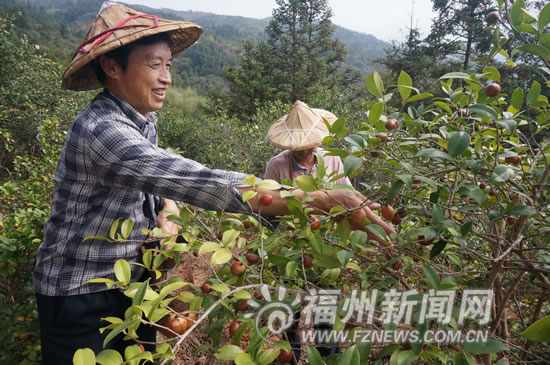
[[72, 322]]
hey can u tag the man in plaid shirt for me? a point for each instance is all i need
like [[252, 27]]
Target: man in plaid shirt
[[111, 167]]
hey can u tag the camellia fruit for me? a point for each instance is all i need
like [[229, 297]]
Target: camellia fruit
[[493, 89], [308, 262], [387, 212], [177, 324], [375, 153], [251, 258], [396, 219], [513, 159], [266, 199], [242, 307], [391, 124], [237, 268], [315, 223], [205, 288], [383, 137], [492, 17], [482, 185], [284, 357], [233, 328]]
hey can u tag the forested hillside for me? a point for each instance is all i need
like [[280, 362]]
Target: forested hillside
[[57, 25]]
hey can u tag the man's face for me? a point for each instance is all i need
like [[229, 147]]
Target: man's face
[[303, 154], [143, 85]]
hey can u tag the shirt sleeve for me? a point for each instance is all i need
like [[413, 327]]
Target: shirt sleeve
[[272, 171], [124, 158]]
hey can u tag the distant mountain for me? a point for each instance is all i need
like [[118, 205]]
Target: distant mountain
[[52, 24]]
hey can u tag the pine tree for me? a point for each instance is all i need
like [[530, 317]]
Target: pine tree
[[299, 57]]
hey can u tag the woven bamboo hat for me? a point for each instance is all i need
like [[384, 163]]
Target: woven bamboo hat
[[115, 26], [301, 128]]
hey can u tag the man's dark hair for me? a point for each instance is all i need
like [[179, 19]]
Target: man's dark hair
[[120, 55]]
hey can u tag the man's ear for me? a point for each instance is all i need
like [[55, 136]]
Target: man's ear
[[110, 67]]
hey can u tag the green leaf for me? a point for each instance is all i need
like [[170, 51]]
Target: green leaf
[[344, 256], [516, 12], [126, 228], [229, 236], [538, 331], [418, 97], [491, 73], [307, 183], [114, 228], [267, 356], [534, 49], [437, 248], [433, 153], [351, 163], [247, 195], [404, 83], [533, 94], [228, 352], [244, 359], [338, 127], [109, 357], [122, 271], [208, 247], [350, 356], [517, 98], [220, 287], [437, 214], [489, 347], [316, 243], [313, 356], [466, 228], [544, 17], [502, 173], [358, 239], [269, 185], [431, 276], [84, 357], [458, 143], [115, 331], [242, 294], [221, 256], [140, 293], [508, 124], [375, 112], [484, 110], [521, 210], [394, 190], [375, 85], [290, 268], [455, 75]]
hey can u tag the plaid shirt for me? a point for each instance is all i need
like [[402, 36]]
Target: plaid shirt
[[110, 167]]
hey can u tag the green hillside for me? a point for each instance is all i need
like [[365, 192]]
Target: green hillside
[[57, 26]]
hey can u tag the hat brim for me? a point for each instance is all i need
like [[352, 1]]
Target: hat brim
[[301, 129], [80, 74]]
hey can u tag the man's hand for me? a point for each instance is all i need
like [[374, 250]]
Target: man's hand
[[170, 207]]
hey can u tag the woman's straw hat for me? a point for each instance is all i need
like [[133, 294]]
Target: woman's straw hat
[[302, 128], [116, 26]]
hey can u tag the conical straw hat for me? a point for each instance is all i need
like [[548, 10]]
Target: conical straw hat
[[115, 26], [301, 128]]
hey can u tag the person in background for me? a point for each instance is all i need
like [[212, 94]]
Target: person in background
[[112, 168], [300, 133]]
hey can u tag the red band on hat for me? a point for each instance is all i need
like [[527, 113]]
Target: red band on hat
[[99, 38]]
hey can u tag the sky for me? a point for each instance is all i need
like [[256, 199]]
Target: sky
[[385, 19]]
